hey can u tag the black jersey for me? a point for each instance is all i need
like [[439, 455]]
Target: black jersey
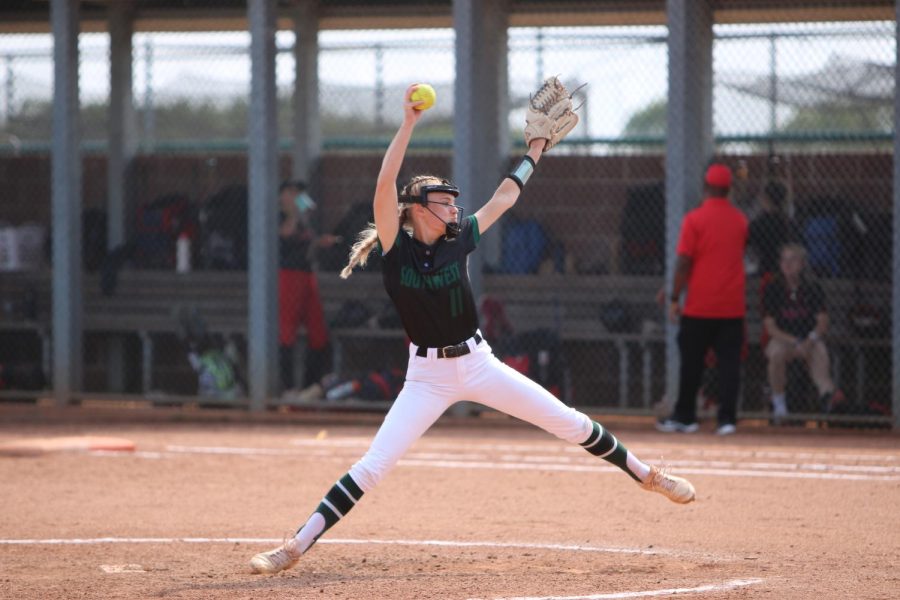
[[794, 312], [293, 250], [430, 287]]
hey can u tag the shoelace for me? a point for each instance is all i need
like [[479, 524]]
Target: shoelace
[[282, 554], [660, 478], [663, 480]]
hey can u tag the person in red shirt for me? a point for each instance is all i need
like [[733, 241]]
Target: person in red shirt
[[710, 266]]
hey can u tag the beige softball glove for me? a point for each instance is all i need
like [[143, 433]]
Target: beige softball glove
[[550, 115]]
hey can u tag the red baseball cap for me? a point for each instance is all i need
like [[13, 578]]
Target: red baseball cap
[[718, 175]]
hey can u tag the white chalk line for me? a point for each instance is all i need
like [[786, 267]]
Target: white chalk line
[[552, 446], [539, 458], [448, 464], [130, 568], [135, 540], [682, 463], [346, 541], [779, 470], [712, 587]]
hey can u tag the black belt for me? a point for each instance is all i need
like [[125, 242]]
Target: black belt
[[460, 349]]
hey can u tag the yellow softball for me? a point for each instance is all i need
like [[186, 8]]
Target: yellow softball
[[425, 93]]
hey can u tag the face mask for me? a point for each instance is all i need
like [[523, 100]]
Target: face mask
[[452, 227], [304, 202]]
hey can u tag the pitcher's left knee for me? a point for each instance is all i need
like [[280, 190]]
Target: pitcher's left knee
[[371, 469]]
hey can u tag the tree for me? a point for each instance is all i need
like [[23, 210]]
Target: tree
[[841, 116], [649, 121], [184, 120]]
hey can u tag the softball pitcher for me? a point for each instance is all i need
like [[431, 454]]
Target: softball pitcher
[[425, 252]]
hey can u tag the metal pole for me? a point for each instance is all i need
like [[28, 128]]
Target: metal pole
[[66, 203], [8, 92], [263, 172], [895, 272], [540, 58], [689, 138], [121, 119], [149, 115], [122, 148], [307, 142], [773, 95], [379, 87]]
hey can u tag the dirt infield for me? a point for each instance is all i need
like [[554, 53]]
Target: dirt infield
[[488, 509]]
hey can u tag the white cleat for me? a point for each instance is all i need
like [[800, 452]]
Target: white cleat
[[676, 489], [283, 557], [726, 429]]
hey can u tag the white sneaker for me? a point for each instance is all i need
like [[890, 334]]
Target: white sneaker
[[676, 489], [281, 558], [726, 429], [672, 426]]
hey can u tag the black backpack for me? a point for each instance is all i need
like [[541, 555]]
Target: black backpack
[[223, 230]]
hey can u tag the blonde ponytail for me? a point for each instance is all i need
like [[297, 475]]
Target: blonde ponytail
[[359, 253]]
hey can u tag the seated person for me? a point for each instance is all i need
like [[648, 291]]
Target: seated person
[[796, 320]]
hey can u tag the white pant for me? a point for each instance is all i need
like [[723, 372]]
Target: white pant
[[434, 384]]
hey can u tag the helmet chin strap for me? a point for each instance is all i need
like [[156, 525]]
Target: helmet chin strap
[[451, 227]]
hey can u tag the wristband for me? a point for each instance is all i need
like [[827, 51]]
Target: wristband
[[813, 336], [522, 173]]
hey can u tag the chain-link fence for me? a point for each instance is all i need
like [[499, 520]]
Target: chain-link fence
[[802, 112], [808, 125]]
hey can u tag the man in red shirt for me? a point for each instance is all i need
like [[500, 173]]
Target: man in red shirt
[[710, 265]]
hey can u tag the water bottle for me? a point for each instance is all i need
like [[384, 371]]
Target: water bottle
[[183, 253], [543, 366]]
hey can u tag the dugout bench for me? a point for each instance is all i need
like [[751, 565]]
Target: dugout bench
[[145, 302]]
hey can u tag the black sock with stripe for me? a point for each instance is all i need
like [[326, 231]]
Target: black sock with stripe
[[605, 445], [342, 497]]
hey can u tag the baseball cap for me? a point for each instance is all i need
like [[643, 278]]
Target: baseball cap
[[718, 175]]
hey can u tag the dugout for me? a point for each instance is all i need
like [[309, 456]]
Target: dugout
[[479, 28]]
